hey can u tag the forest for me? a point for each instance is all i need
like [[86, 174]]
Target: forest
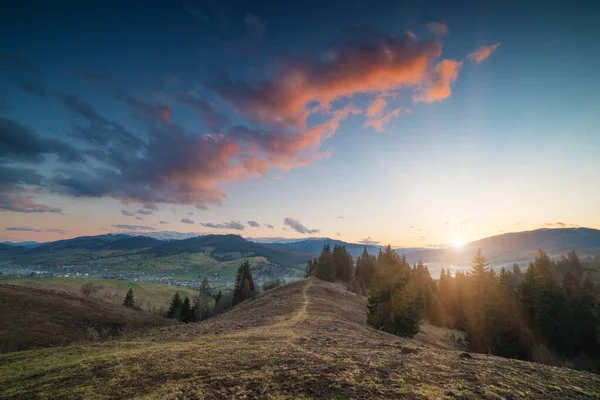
[[548, 313]]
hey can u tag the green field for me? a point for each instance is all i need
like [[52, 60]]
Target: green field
[[185, 268], [149, 296]]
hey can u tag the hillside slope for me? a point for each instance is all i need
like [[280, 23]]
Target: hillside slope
[[303, 340], [148, 296], [31, 318], [520, 247]]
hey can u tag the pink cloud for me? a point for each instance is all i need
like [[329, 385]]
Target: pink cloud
[[366, 62], [376, 116], [438, 88], [482, 53]]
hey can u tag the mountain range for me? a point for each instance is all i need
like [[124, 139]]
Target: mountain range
[[501, 250]]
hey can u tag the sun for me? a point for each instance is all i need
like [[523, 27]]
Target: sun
[[458, 242]]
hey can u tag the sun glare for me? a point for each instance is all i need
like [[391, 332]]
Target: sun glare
[[458, 242]]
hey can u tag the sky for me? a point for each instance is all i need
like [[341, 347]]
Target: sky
[[413, 123]]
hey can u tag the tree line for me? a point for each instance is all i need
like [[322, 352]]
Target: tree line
[[550, 313], [209, 302]]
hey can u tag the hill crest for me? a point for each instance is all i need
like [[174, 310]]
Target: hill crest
[[307, 339]]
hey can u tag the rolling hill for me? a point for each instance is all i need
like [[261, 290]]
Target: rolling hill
[[148, 296], [32, 317], [314, 246], [520, 247], [185, 261], [129, 257], [307, 339]]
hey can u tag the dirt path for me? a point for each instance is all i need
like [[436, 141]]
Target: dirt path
[[301, 314]]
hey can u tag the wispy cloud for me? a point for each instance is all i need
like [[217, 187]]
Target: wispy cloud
[[126, 227], [144, 211], [253, 224], [127, 213], [369, 241], [21, 228], [298, 227], [163, 222], [187, 221], [28, 229], [236, 225], [560, 225], [270, 226], [482, 53]]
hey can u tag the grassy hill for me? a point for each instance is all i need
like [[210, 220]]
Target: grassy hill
[[307, 339], [31, 317], [148, 296]]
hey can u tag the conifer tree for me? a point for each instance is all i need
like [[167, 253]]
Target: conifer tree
[[175, 307], [205, 288], [342, 263], [325, 269], [218, 297], [365, 268], [187, 313], [244, 284], [129, 299], [394, 305], [478, 311], [202, 307]]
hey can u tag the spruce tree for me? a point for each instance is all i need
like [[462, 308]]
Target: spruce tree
[[244, 284], [187, 313], [175, 307], [394, 304], [478, 311], [129, 299], [205, 288], [325, 268], [202, 307], [365, 268]]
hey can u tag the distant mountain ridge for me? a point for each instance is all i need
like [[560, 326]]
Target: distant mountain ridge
[[24, 244], [501, 250], [520, 247], [315, 245]]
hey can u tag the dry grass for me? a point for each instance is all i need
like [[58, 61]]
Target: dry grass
[[31, 318], [303, 340]]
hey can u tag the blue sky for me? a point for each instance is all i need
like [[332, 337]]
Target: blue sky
[[223, 113]]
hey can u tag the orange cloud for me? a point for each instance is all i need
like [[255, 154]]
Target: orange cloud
[[438, 89], [377, 118], [173, 165], [482, 53], [367, 62]]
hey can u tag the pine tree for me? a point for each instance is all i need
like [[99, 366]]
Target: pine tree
[[365, 268], [218, 297], [394, 304], [202, 306], [549, 304], [478, 310], [187, 313], [325, 268], [244, 284], [175, 307], [310, 269], [342, 263], [129, 299], [205, 288]]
